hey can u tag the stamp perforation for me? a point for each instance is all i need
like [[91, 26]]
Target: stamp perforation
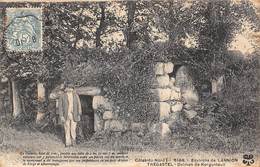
[[27, 35]]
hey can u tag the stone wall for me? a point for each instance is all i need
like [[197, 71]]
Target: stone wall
[[164, 98], [168, 96]]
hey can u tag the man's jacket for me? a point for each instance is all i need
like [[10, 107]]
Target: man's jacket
[[63, 105]]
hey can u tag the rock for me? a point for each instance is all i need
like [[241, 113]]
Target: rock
[[159, 68], [101, 102], [162, 81], [162, 108], [108, 115], [168, 67], [160, 94], [164, 112], [107, 124], [187, 107], [98, 122], [190, 97], [175, 95], [116, 126], [165, 130], [172, 82], [190, 114], [177, 107], [91, 91]]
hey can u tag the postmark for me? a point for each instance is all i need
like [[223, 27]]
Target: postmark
[[23, 29]]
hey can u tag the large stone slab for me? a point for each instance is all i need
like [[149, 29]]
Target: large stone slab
[[91, 91], [101, 102], [160, 94], [162, 81], [159, 68]]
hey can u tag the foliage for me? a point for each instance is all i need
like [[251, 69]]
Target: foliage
[[124, 76], [78, 50]]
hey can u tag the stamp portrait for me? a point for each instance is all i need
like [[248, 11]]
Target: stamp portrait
[[23, 29]]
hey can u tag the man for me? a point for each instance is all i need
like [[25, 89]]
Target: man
[[69, 108]]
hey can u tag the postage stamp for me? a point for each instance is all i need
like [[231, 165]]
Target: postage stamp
[[23, 29]]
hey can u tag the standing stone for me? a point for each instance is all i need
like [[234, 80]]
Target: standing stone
[[159, 68], [101, 102], [168, 67], [164, 112], [185, 83], [172, 82], [165, 130], [176, 107], [162, 81], [41, 98], [98, 122], [162, 107], [17, 105]]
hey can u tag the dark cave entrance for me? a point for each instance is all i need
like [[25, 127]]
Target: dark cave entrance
[[87, 118]]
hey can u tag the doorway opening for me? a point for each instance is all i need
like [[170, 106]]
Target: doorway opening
[[87, 118]]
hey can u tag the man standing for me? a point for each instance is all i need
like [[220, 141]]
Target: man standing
[[69, 112]]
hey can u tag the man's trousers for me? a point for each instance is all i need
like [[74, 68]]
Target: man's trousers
[[70, 132]]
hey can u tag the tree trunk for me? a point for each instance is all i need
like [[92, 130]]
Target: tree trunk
[[41, 98], [1, 99], [17, 105], [102, 25], [131, 7]]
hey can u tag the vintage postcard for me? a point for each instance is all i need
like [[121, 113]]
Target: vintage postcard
[[165, 83]]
